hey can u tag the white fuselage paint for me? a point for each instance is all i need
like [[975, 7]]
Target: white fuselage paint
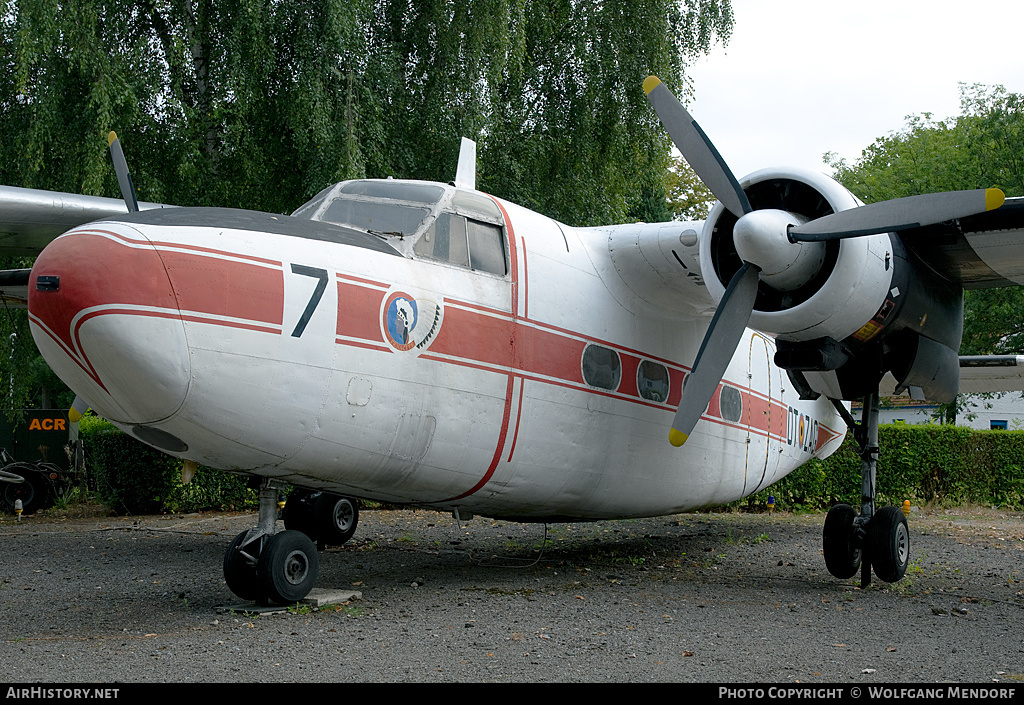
[[487, 410]]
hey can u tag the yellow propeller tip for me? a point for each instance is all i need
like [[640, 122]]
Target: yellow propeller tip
[[111, 137], [74, 416], [677, 438], [650, 83], [993, 198]]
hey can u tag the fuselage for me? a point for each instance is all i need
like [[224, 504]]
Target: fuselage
[[386, 367]]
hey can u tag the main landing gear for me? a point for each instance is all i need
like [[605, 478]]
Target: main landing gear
[[878, 540], [268, 566]]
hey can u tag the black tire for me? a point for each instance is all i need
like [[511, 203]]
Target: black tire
[[839, 542], [298, 513], [288, 567], [336, 518], [34, 493], [240, 573], [889, 543]]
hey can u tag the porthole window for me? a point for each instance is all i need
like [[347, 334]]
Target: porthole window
[[601, 367], [652, 381], [731, 403]]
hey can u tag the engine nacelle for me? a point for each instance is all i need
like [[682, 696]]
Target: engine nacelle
[[850, 284], [843, 311]]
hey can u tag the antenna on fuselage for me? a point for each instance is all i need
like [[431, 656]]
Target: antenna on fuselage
[[465, 175]]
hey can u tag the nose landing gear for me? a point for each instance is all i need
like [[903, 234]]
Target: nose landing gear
[[328, 519], [269, 567]]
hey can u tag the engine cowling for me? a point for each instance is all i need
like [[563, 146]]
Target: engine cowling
[[845, 311]]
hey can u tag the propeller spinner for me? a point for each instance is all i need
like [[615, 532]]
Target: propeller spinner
[[779, 249]]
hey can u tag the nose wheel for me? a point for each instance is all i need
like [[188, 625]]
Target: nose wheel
[[328, 519], [268, 567], [879, 540]]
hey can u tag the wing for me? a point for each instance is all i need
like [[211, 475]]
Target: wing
[[991, 373], [30, 218], [14, 287], [979, 251]]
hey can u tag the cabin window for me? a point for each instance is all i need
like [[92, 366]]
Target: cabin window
[[731, 403], [652, 381], [601, 367]]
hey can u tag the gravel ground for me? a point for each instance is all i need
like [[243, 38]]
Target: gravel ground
[[705, 597]]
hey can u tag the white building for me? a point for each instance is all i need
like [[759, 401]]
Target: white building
[[995, 411]]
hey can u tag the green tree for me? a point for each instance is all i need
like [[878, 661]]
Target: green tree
[[260, 103], [688, 197], [571, 133]]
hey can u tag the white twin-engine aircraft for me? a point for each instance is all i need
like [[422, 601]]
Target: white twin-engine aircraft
[[432, 345]]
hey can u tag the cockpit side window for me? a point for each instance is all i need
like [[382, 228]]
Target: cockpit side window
[[464, 242], [486, 247]]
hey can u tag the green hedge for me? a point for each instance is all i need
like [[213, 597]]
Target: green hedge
[[133, 478], [947, 465]]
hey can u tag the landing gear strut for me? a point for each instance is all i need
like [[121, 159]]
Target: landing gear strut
[[878, 540], [270, 567]]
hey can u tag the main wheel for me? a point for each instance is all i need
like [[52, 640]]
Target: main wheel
[[336, 518], [839, 544], [889, 543], [298, 512], [288, 567], [240, 571]]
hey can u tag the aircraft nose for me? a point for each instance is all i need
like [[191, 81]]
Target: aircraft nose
[[103, 314]]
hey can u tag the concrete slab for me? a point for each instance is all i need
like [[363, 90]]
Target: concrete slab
[[317, 597]]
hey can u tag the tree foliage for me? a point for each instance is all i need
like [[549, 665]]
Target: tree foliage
[[688, 197], [262, 103]]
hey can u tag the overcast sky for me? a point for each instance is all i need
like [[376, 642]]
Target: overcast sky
[[803, 77]]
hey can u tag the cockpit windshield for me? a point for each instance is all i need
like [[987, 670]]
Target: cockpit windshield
[[393, 208], [420, 219]]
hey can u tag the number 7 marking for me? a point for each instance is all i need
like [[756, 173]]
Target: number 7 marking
[[314, 300]]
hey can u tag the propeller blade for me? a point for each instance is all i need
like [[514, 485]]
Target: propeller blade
[[77, 410], [124, 179], [716, 351], [696, 148], [898, 214]]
